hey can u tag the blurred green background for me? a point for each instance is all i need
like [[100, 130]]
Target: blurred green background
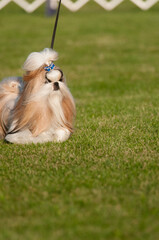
[[103, 182]]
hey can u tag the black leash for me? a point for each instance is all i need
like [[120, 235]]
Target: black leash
[[55, 26]]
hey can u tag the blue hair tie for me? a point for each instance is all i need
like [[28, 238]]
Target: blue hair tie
[[50, 67]]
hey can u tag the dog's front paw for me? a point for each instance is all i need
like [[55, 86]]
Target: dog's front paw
[[9, 138], [12, 138], [62, 134], [20, 137]]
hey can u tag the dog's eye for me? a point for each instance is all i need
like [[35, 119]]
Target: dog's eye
[[62, 79], [47, 80]]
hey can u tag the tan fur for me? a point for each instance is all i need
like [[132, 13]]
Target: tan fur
[[69, 112], [43, 118], [33, 74], [10, 88], [34, 115], [2, 121], [2, 128], [7, 92]]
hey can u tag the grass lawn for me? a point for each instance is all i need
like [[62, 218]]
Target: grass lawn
[[103, 183]]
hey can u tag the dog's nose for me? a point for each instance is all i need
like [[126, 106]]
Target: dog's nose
[[56, 86]]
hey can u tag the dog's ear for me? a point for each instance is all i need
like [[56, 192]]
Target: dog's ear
[[29, 75]]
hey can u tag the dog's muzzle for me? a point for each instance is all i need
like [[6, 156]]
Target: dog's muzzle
[[56, 86]]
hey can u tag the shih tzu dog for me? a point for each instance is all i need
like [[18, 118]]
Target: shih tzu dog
[[39, 108]]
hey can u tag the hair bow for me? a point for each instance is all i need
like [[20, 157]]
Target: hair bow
[[50, 67]]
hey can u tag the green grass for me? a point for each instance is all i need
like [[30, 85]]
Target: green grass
[[103, 183]]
